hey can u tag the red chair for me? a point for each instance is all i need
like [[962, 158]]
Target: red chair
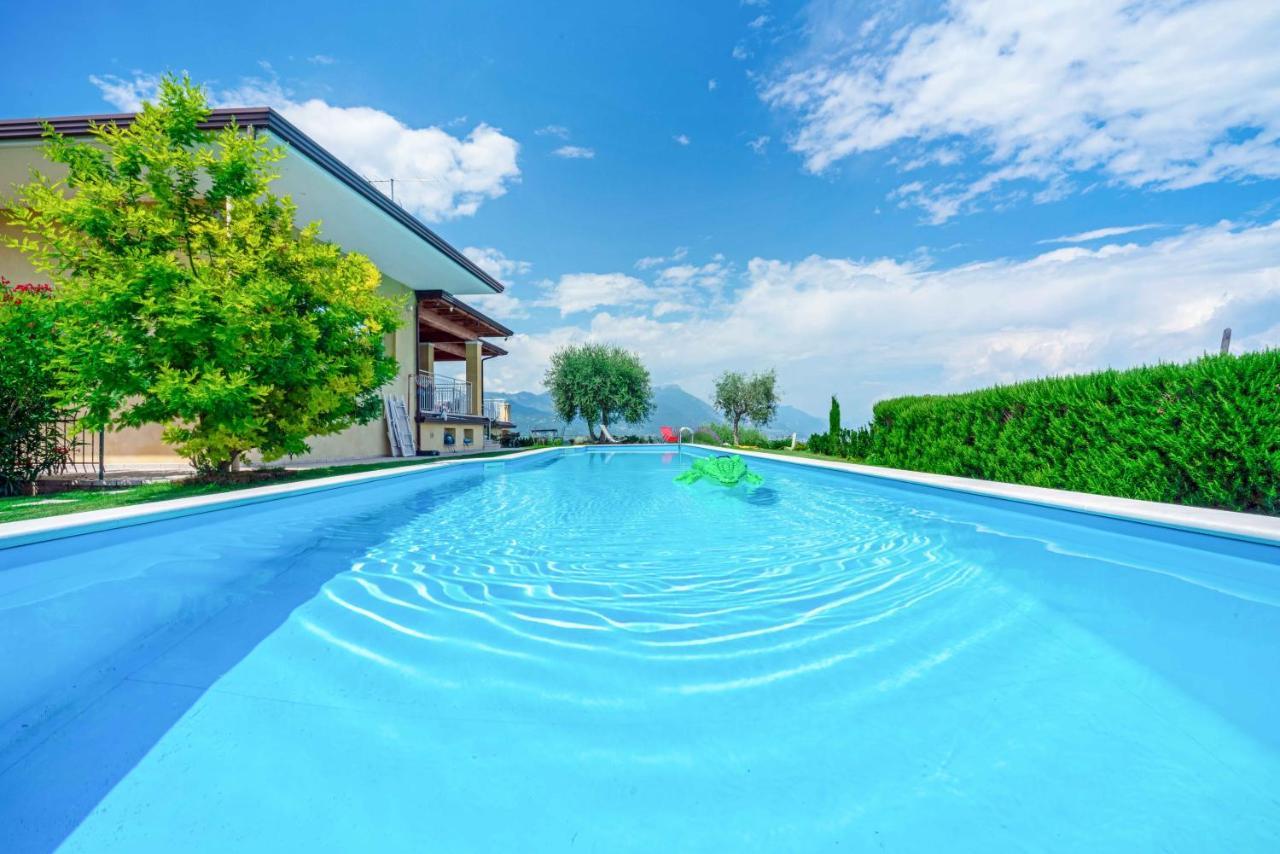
[[668, 436]]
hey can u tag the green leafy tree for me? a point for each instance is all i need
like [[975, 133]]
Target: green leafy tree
[[189, 299], [29, 444], [752, 397], [601, 383]]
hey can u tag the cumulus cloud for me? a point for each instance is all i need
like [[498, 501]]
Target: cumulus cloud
[[504, 306], [868, 329], [712, 85], [438, 175], [495, 263], [576, 292], [1037, 95], [759, 145], [126, 94], [681, 139], [710, 276], [575, 152]]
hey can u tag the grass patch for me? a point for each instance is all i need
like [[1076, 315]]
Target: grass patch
[[19, 508], [808, 455]]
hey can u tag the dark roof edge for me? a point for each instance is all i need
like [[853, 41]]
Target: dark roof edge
[[268, 119], [462, 306]]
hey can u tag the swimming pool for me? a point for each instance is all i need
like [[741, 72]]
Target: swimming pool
[[572, 652]]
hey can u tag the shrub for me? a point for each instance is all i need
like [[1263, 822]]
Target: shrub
[[1205, 433], [751, 437], [849, 443], [29, 441], [714, 434]]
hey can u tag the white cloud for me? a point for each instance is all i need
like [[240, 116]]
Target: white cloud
[[321, 59], [503, 307], [740, 52], [126, 95], [576, 292], [1039, 94], [438, 175], [495, 263], [650, 261], [681, 139], [1103, 233], [711, 275], [553, 130], [759, 145], [712, 85], [575, 152], [758, 22], [873, 329]]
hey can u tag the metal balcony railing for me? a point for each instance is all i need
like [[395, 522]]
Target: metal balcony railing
[[441, 395], [497, 409]]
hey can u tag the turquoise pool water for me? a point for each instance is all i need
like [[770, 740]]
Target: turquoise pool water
[[573, 653]]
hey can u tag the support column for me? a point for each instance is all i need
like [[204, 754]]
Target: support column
[[475, 376], [427, 357]]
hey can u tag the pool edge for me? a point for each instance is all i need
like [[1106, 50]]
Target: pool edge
[[1202, 520], [28, 531], [1222, 523]]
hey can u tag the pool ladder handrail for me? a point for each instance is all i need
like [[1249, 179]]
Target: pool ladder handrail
[[680, 435]]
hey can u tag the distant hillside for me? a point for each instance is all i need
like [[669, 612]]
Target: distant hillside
[[675, 407], [791, 420]]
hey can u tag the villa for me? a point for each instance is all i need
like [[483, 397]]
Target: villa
[[449, 414]]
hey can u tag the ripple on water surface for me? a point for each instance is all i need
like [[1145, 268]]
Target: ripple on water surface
[[607, 660]]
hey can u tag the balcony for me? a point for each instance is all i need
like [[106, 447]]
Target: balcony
[[439, 396], [497, 410]]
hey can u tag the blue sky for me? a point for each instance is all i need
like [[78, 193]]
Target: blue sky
[[870, 197]]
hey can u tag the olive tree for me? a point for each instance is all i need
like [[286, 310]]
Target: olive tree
[[601, 383], [188, 297], [752, 397]]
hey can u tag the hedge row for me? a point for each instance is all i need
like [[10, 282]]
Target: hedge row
[[1205, 433]]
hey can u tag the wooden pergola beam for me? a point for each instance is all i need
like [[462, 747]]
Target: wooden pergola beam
[[448, 326]]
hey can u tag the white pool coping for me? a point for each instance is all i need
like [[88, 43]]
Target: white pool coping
[[1226, 523], [1242, 526], [74, 524]]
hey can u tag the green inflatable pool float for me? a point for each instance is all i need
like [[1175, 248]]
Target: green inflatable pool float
[[729, 471]]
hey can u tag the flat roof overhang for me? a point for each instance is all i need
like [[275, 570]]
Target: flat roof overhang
[[353, 213]]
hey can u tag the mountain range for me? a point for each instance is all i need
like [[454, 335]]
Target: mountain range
[[674, 407]]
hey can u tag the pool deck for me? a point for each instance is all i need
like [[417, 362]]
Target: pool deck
[[1241, 526]]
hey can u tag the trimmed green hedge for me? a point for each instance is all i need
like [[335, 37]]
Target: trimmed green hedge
[[1205, 433]]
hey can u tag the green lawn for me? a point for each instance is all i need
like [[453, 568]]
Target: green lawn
[[808, 455], [75, 501]]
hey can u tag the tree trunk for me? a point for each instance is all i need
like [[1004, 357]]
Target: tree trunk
[[736, 420], [230, 464]]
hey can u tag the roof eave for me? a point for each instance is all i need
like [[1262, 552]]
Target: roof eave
[[267, 119]]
